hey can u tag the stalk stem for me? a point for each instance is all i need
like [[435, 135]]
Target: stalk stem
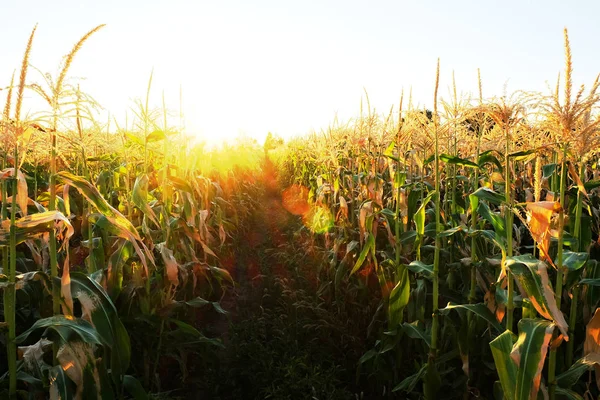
[[559, 274]]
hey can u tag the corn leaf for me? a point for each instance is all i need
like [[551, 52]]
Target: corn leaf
[[529, 354], [134, 388], [415, 330], [507, 370], [139, 196], [450, 159], [368, 247], [489, 195], [571, 376], [481, 310], [60, 385], [65, 328], [99, 309], [532, 276], [399, 297]]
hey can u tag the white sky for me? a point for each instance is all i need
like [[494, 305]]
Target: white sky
[[291, 66]]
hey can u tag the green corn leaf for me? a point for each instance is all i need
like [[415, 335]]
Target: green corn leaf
[[134, 388], [409, 383], [480, 310], [415, 330], [399, 298], [121, 225], [449, 159], [389, 152], [139, 196], [368, 247], [507, 370], [590, 185], [532, 276], [574, 260], [548, 170], [420, 267], [489, 195], [498, 223], [115, 267], [590, 282], [566, 394], [529, 354], [66, 329], [488, 158], [181, 184], [571, 376], [419, 216], [92, 195]]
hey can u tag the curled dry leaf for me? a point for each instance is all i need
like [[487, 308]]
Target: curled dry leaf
[[171, 266], [591, 346], [22, 195], [539, 215]]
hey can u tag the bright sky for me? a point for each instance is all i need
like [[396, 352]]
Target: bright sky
[[253, 66]]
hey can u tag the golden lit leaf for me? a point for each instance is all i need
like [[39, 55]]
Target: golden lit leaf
[[171, 266], [22, 196], [540, 216], [343, 208], [576, 179], [497, 177], [592, 335], [74, 358], [65, 287], [591, 346]]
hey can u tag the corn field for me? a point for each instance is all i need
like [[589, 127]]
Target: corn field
[[444, 253]]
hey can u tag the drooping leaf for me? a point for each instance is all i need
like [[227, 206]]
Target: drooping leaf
[[34, 224], [522, 155], [450, 159], [66, 328], [567, 394], [415, 330], [481, 310], [122, 226], [489, 195], [532, 276], [488, 158], [409, 383], [571, 376], [420, 267]]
